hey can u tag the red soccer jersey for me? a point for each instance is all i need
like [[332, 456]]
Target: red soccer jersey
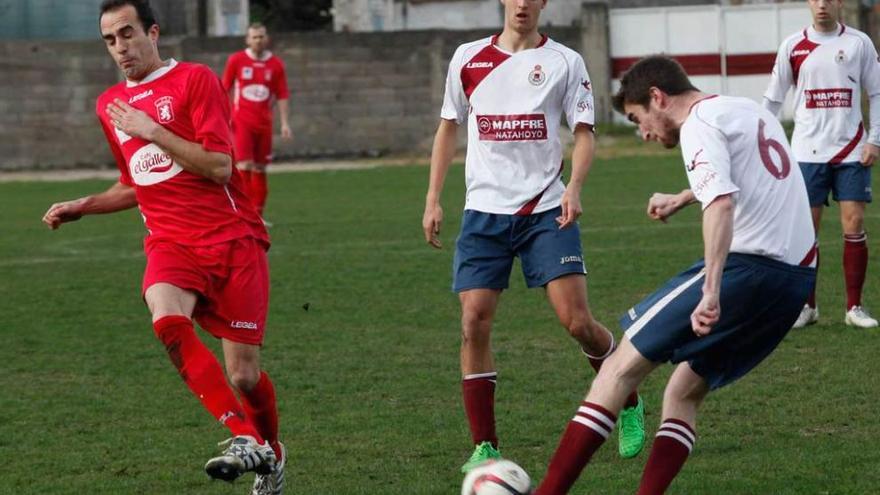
[[178, 205], [255, 82]]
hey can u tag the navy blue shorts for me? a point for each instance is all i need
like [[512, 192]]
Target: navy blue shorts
[[760, 300], [488, 243], [846, 181]]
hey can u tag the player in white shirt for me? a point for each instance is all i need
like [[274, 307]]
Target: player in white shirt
[[511, 90], [829, 64], [720, 318]]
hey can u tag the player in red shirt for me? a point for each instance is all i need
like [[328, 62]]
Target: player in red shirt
[[256, 77], [167, 125]]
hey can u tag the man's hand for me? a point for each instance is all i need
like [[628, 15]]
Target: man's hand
[[431, 224], [571, 206], [131, 121], [286, 133], [869, 154], [68, 211], [662, 206], [706, 315]]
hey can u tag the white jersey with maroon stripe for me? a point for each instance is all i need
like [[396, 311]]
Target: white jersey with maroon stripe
[[733, 146], [513, 104], [828, 71]]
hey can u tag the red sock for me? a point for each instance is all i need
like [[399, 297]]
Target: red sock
[[202, 373], [585, 433], [478, 391], [672, 445], [259, 190], [632, 399], [259, 406], [811, 300], [855, 266]]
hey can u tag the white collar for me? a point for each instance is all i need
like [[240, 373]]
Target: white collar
[[266, 55], [823, 36], [156, 74]]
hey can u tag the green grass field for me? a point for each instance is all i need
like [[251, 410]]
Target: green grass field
[[367, 377]]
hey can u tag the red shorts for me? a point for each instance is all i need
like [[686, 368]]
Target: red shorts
[[252, 144], [231, 279]]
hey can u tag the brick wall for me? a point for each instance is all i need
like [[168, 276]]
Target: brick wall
[[352, 93]]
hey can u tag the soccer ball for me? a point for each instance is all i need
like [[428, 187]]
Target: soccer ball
[[501, 477]]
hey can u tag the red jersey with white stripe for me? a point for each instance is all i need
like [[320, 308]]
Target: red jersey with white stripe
[[257, 82], [734, 146], [513, 104], [177, 205], [829, 71]]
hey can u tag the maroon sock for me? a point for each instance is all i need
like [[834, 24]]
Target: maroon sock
[[478, 391], [632, 400], [672, 445], [202, 374], [586, 432], [811, 300], [855, 266], [259, 406]]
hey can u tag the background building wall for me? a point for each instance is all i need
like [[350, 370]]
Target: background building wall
[[351, 93], [78, 19]]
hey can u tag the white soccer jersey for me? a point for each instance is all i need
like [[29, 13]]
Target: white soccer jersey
[[513, 104], [828, 70], [733, 146]]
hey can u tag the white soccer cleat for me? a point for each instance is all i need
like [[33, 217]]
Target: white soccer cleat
[[808, 316], [857, 316], [242, 455], [272, 483]]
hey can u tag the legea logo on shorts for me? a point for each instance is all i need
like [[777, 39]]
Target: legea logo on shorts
[[152, 165], [527, 127], [255, 92], [247, 325]]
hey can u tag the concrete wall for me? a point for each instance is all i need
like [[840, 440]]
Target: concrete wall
[[352, 93]]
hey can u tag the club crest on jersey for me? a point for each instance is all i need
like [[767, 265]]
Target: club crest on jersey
[[840, 57], [165, 109], [537, 76], [247, 72]]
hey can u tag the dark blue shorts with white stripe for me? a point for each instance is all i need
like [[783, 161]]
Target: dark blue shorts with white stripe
[[760, 300]]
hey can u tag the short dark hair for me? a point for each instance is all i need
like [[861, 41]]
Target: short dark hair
[[142, 7], [658, 71]]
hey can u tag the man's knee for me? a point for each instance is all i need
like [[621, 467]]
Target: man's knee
[[475, 325], [685, 391], [244, 376]]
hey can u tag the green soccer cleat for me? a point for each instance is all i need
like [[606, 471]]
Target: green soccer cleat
[[631, 436], [482, 453]]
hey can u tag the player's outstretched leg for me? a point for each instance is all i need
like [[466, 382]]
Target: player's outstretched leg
[[478, 373], [631, 425], [568, 295], [202, 373], [259, 405], [258, 401], [595, 418], [676, 436]]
